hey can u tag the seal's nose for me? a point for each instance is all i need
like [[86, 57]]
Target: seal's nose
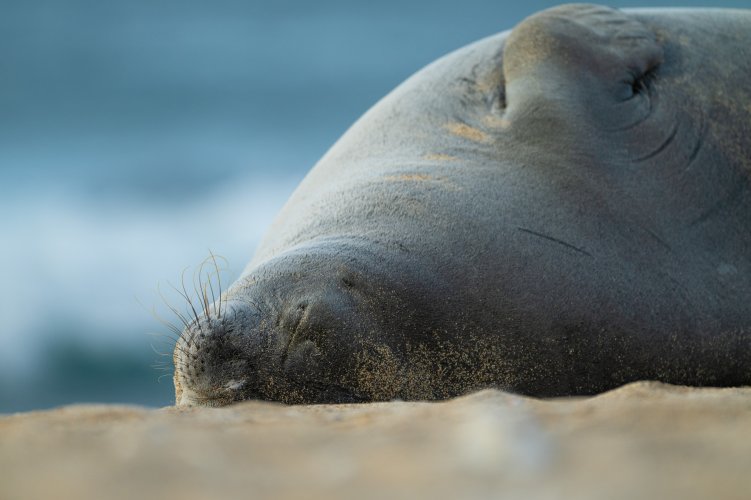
[[211, 359], [310, 325]]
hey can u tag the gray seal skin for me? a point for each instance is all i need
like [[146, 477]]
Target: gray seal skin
[[554, 210]]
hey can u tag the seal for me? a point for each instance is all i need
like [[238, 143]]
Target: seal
[[555, 210]]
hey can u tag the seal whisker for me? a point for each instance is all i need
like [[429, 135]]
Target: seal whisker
[[197, 287], [210, 285], [177, 313], [187, 298], [173, 341], [163, 337], [161, 320], [183, 320], [206, 298], [204, 287], [219, 283], [162, 365], [157, 352], [168, 342], [170, 327], [180, 348], [176, 333]]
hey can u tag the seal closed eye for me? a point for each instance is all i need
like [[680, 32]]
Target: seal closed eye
[[555, 210]]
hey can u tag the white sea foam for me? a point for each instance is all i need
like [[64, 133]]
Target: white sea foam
[[86, 264]]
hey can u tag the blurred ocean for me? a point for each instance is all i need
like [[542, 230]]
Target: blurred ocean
[[137, 136]]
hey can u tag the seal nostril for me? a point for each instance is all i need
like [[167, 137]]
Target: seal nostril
[[637, 86], [640, 82], [348, 283]]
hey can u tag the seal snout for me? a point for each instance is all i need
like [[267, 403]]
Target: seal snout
[[301, 329], [256, 349], [212, 362]]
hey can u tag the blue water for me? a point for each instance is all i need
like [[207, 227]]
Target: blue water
[[135, 136]]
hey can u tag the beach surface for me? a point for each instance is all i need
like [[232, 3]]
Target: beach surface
[[644, 440]]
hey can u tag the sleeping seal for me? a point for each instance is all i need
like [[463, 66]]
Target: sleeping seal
[[554, 210]]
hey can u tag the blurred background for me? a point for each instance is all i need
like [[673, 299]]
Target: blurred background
[[137, 136]]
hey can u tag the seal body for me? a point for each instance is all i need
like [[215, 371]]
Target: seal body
[[554, 210]]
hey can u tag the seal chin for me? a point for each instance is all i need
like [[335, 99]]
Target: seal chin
[[190, 398]]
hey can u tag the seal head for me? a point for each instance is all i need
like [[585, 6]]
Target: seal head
[[555, 210]]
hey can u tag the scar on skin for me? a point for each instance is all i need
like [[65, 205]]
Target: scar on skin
[[439, 157], [436, 181], [467, 132], [496, 122], [490, 82], [408, 177]]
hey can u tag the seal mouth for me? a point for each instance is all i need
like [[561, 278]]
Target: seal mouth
[[228, 393], [190, 398]]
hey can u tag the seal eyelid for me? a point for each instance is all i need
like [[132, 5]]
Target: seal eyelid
[[348, 282], [641, 81]]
